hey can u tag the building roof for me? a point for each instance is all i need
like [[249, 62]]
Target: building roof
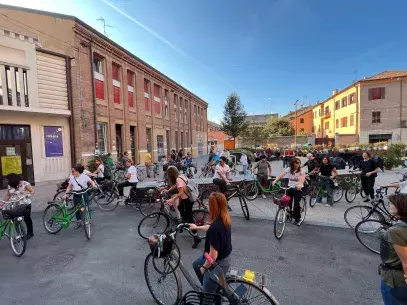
[[388, 74], [87, 26], [300, 111], [213, 124], [259, 118]]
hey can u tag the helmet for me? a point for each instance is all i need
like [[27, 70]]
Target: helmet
[[285, 200]]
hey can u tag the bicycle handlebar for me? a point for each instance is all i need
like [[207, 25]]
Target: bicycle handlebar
[[81, 192]]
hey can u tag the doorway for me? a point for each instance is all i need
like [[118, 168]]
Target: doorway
[[119, 144], [160, 147]]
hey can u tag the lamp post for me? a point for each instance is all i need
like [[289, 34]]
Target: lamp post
[[295, 134]]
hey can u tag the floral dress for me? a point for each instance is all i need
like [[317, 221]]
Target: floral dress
[[20, 192]]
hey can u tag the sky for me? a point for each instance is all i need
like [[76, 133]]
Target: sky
[[270, 52]]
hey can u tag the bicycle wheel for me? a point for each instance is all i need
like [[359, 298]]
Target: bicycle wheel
[[350, 194], [204, 198], [251, 190], [18, 242], [245, 208], [155, 223], [337, 193], [279, 222], [140, 175], [303, 209], [147, 206], [313, 198], [107, 201], [58, 197], [86, 222], [358, 213], [166, 289], [369, 232], [249, 293], [200, 218], [52, 226]]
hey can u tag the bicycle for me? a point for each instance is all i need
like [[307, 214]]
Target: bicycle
[[369, 232], [163, 270], [377, 209], [354, 187], [158, 222], [11, 226], [320, 191], [61, 215], [233, 190], [206, 171], [252, 188], [286, 214], [155, 167]]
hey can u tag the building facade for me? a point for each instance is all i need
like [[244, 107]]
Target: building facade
[[35, 109], [217, 138], [302, 121], [259, 120], [119, 102]]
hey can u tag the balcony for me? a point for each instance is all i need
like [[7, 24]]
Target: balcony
[[326, 114]]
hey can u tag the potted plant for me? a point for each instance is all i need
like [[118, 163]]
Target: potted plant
[[391, 161]]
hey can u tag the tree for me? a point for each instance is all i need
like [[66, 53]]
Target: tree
[[302, 133], [233, 121], [278, 127], [253, 136]]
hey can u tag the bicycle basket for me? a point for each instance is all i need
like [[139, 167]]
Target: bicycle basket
[[14, 212], [200, 298], [285, 200], [160, 245]]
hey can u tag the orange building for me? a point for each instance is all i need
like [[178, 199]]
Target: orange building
[[216, 137], [305, 120]]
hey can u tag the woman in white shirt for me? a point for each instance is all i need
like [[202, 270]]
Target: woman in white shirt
[[130, 175], [296, 179], [18, 188], [243, 160], [100, 171], [78, 181]]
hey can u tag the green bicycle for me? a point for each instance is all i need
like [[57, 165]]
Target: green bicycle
[[12, 227], [252, 188], [58, 216], [320, 191]]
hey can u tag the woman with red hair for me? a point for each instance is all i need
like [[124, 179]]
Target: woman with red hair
[[218, 242]]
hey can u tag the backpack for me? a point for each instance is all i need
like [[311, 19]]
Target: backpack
[[192, 190], [378, 161]]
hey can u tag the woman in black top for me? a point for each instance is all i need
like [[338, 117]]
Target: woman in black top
[[368, 175], [328, 172], [218, 242]]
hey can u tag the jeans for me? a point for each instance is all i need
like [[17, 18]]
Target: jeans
[[148, 169], [394, 296], [208, 285], [368, 185], [328, 185], [122, 185], [296, 195], [245, 170], [77, 199]]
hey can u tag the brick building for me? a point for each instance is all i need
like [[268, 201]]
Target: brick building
[[119, 102]]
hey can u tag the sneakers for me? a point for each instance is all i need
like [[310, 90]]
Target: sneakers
[[366, 200], [297, 223], [197, 241], [263, 196], [328, 205], [78, 224], [29, 236]]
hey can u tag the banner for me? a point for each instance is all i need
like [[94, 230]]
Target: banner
[[53, 141], [11, 164]]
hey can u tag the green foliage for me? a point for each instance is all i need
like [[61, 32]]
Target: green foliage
[[254, 135], [302, 133], [394, 155], [233, 121], [276, 127]]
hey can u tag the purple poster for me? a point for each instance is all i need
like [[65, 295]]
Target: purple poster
[[53, 141]]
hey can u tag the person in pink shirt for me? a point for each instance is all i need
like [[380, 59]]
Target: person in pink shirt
[[222, 175]]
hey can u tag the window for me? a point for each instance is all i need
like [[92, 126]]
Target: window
[[352, 99], [180, 112], [186, 112], [146, 94], [345, 101], [301, 121], [337, 105], [166, 98], [352, 120], [376, 117], [344, 122], [102, 137], [376, 93], [116, 83], [97, 63], [327, 125], [313, 129], [157, 99], [301, 129], [319, 112], [337, 123], [182, 140], [130, 89], [53, 141], [175, 108], [148, 139], [326, 110]]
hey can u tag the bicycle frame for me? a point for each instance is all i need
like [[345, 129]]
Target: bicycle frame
[[66, 219], [4, 225]]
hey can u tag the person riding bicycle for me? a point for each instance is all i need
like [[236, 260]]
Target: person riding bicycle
[[99, 173], [312, 164], [218, 241], [296, 179], [188, 162], [215, 161], [78, 182], [328, 173], [222, 176], [178, 183], [147, 163], [393, 252], [131, 178], [402, 185], [263, 172], [16, 189]]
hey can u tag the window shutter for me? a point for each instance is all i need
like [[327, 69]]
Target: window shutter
[[116, 95], [146, 103], [382, 90], [100, 90], [115, 72], [130, 79], [130, 99], [370, 94]]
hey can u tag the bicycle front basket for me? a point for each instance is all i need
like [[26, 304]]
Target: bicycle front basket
[[160, 248], [16, 211], [200, 298]]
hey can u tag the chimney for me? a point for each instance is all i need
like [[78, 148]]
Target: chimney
[[334, 92]]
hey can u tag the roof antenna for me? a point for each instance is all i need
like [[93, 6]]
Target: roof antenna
[[355, 74], [104, 25]]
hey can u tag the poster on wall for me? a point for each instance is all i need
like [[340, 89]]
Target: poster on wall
[[53, 141], [11, 164]]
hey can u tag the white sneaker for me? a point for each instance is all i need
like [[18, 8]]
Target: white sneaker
[[263, 196], [328, 205]]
